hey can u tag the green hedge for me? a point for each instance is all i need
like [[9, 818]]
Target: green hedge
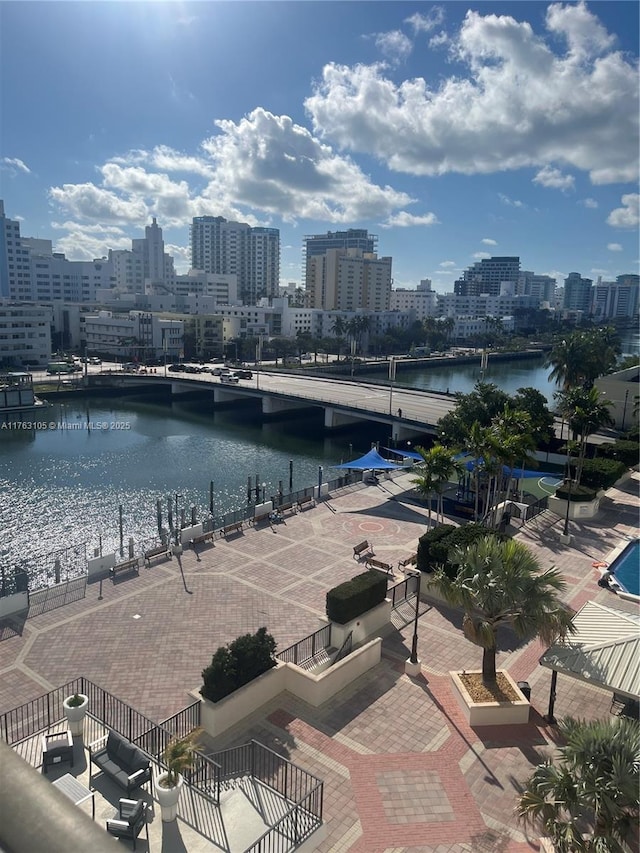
[[238, 663], [352, 598], [435, 545], [622, 451], [575, 493], [601, 473]]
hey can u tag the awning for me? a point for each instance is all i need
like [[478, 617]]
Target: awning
[[409, 454], [605, 650], [372, 461], [517, 473]]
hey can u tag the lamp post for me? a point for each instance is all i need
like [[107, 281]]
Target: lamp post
[[392, 376], [624, 410], [176, 523], [412, 666], [565, 536], [264, 492]]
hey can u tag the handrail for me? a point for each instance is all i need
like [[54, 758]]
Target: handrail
[[280, 838], [308, 647], [345, 648]]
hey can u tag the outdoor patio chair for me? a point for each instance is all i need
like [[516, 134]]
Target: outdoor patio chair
[[128, 823]]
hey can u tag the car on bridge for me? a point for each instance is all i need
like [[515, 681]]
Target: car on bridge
[[243, 374]]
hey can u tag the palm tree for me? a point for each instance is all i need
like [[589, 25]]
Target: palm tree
[[425, 482], [501, 583], [445, 466], [566, 359], [586, 412], [513, 443], [477, 447], [593, 784]]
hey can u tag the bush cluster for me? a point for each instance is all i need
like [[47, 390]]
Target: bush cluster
[[622, 450], [601, 473], [352, 598], [575, 492], [435, 545], [238, 663]]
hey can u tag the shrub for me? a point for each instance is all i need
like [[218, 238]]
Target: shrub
[[601, 473], [435, 546], [575, 493], [238, 663], [621, 450], [352, 598]]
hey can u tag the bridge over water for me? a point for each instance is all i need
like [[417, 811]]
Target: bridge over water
[[407, 411]]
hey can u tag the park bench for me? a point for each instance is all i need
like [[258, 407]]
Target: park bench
[[285, 507], [263, 516], [203, 537], [364, 549], [308, 499], [236, 527], [378, 564], [408, 561], [125, 566], [158, 551]]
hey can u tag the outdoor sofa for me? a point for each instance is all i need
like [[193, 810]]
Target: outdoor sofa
[[119, 759]]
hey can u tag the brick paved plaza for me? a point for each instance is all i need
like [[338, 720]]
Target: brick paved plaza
[[403, 771]]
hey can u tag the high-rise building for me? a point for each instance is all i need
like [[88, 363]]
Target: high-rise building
[[348, 280], [15, 270], [146, 265], [490, 276], [352, 238], [235, 248], [619, 298], [577, 293], [543, 287]]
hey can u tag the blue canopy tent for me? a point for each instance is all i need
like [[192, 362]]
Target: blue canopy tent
[[409, 454], [370, 461], [516, 474]]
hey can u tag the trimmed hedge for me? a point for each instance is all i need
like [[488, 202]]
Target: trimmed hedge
[[238, 663], [622, 451], [352, 598], [435, 545], [575, 493], [601, 473]]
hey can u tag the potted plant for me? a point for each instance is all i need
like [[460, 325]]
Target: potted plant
[[75, 710], [179, 755]]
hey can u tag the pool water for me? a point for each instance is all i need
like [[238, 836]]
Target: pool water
[[627, 568]]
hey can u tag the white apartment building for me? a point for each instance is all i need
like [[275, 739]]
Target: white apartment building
[[424, 303], [54, 278], [543, 287], [136, 335], [348, 280], [15, 269], [25, 334], [468, 328], [146, 264], [619, 298], [453, 305], [252, 254], [223, 287]]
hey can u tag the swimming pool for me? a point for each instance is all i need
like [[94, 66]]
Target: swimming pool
[[626, 568]]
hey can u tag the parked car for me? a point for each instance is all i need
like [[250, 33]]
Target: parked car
[[228, 376], [178, 368], [243, 374], [95, 360]]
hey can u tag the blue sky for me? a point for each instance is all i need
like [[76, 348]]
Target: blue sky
[[452, 131]]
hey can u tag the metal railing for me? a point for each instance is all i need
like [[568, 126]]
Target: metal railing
[[536, 508], [294, 827], [345, 648], [347, 479], [308, 647], [401, 591]]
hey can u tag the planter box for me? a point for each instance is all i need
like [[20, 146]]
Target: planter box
[[577, 509], [491, 713], [364, 626]]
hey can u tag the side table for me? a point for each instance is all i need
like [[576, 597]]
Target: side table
[[57, 747]]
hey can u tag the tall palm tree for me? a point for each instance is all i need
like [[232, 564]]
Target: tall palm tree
[[593, 785], [477, 446], [502, 583], [425, 482], [514, 443], [586, 412], [565, 359], [445, 466]]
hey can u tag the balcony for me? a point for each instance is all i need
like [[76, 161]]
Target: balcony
[[247, 799]]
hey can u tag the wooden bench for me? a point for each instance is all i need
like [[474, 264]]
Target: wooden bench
[[203, 537], [125, 566], [286, 507], [264, 516], [159, 551], [309, 499], [378, 564], [408, 561], [236, 527], [364, 549]]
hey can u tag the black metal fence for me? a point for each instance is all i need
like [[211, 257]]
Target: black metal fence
[[536, 508], [307, 648], [401, 591]]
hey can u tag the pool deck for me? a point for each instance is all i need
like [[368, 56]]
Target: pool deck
[[403, 771]]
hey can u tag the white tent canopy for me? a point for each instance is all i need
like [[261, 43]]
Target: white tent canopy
[[604, 651]]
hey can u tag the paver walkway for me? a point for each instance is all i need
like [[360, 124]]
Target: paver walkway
[[403, 771]]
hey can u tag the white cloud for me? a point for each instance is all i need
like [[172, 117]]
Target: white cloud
[[511, 202], [426, 23], [591, 203], [488, 241], [439, 39], [14, 164], [598, 271], [554, 179], [82, 242], [614, 247], [447, 263], [627, 216], [264, 165], [394, 45], [402, 219], [479, 255], [518, 103]]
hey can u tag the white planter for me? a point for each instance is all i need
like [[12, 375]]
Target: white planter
[[75, 714], [491, 713], [168, 797]]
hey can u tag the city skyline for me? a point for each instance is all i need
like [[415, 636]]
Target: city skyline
[[454, 132]]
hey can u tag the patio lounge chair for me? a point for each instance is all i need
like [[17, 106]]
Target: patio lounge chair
[[128, 823]]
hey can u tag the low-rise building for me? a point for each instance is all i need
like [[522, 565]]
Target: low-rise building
[[25, 334], [137, 335]]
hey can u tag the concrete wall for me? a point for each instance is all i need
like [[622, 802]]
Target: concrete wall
[[491, 713], [364, 626], [316, 689], [577, 509]]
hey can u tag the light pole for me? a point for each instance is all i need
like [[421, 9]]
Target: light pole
[[412, 666], [264, 492], [565, 536], [624, 411], [177, 525], [392, 376]]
